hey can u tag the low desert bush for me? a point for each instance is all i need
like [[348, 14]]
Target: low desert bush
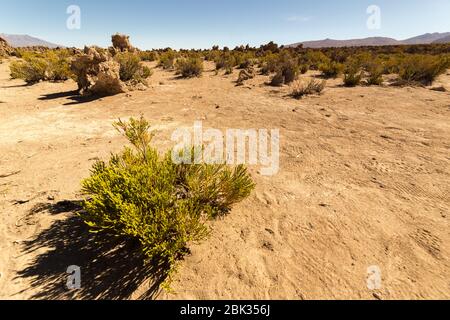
[[48, 66], [131, 67], [375, 70], [31, 71], [314, 59], [303, 88], [167, 59], [58, 65], [286, 73], [227, 61], [277, 79], [352, 73], [331, 69], [190, 67], [143, 197], [148, 56], [422, 69]]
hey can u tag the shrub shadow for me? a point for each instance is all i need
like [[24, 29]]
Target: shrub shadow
[[111, 269]]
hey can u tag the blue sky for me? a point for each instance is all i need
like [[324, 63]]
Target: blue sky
[[203, 23]]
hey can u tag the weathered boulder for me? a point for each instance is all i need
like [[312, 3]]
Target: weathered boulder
[[122, 43], [245, 74], [97, 73]]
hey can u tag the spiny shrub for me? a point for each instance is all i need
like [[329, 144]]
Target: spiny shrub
[[226, 61], [423, 69], [314, 59], [31, 71], [58, 65], [131, 68], [129, 65], [375, 70], [268, 64], [331, 69], [304, 68], [167, 59], [290, 71], [352, 74], [191, 67], [287, 73], [47, 66], [277, 80], [146, 198], [148, 56], [302, 88]]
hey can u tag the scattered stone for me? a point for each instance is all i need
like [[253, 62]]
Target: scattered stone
[[267, 245], [377, 296]]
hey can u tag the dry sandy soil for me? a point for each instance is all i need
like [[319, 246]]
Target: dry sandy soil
[[364, 181]]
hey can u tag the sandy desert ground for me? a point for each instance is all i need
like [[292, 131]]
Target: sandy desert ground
[[364, 181]]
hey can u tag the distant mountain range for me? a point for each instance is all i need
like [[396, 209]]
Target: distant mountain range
[[17, 41], [427, 38]]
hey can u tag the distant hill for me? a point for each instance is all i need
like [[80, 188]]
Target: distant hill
[[443, 40], [374, 41], [426, 38], [17, 41]]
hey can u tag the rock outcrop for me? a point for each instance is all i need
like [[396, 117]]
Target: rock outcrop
[[97, 73], [122, 43], [5, 48]]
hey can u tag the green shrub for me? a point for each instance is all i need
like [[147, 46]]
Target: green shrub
[[31, 71], [141, 196], [422, 68], [58, 65], [148, 56], [352, 73], [167, 59], [314, 59], [131, 67], [290, 71], [331, 69], [302, 88], [130, 64], [51, 65], [375, 70], [191, 67], [226, 61], [277, 80], [268, 63], [304, 68]]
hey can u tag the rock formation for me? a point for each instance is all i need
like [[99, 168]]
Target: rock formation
[[246, 74], [122, 43], [97, 73], [5, 48]]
